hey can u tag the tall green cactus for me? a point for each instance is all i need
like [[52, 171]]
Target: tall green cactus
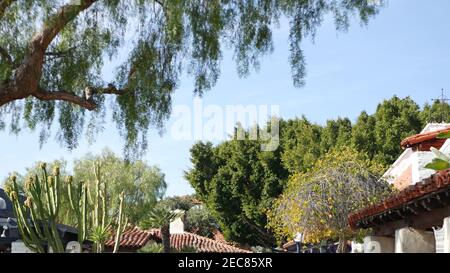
[[96, 199], [121, 223], [100, 226], [78, 203], [37, 217]]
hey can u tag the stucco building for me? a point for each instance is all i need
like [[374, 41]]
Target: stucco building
[[417, 217]]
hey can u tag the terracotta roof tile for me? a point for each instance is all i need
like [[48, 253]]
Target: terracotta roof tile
[[218, 236], [132, 237], [135, 238], [426, 140], [432, 184]]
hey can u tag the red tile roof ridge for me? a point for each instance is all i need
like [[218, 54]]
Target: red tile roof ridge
[[135, 237], [434, 183], [197, 239], [422, 137], [132, 237]]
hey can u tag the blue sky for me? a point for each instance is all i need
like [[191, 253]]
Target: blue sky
[[404, 51]]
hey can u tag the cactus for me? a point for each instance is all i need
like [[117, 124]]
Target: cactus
[[121, 223], [96, 200], [37, 216], [78, 203], [100, 227]]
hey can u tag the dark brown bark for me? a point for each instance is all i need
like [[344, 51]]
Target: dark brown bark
[[65, 96], [165, 237]]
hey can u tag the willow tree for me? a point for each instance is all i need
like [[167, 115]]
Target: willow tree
[[317, 202], [52, 53]]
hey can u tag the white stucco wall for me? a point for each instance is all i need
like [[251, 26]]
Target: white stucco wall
[[446, 147], [409, 240], [439, 238], [379, 244], [419, 161], [446, 231]]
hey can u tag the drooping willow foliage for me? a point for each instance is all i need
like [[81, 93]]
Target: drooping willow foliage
[[317, 203], [152, 42]]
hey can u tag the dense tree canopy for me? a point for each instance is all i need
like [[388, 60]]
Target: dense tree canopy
[[363, 135], [395, 119], [300, 142], [52, 53], [238, 182], [437, 112], [336, 133]]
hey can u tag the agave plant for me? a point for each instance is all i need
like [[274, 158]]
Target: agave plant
[[99, 235]]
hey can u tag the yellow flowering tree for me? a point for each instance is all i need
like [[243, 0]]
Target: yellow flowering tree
[[318, 201]]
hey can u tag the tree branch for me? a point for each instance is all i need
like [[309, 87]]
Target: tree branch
[[111, 89], [159, 2], [65, 96], [60, 53], [59, 20], [85, 102]]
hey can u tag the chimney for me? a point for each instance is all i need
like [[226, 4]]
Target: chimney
[[177, 225]]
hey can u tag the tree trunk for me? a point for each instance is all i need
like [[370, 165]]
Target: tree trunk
[[165, 236], [342, 246]]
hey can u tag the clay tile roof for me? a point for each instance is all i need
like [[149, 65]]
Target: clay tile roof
[[428, 138], [135, 238], [427, 186], [202, 244], [132, 237]]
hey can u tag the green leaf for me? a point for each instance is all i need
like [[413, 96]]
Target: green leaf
[[438, 164], [444, 135]]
